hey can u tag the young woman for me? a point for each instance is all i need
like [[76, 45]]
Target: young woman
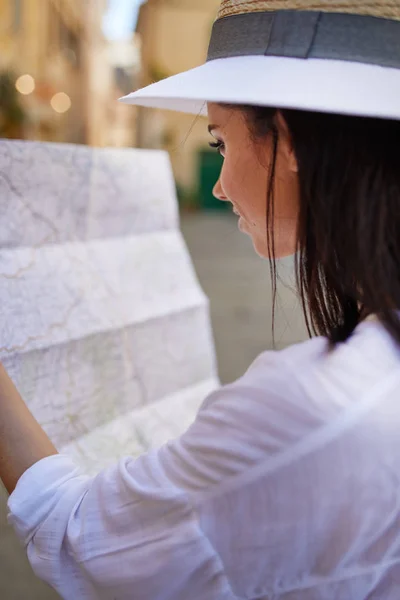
[[287, 486]]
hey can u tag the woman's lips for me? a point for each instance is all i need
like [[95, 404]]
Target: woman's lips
[[235, 210], [242, 221]]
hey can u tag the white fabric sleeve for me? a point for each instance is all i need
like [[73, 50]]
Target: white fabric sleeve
[[134, 530]]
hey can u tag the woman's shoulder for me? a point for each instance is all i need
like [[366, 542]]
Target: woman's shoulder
[[333, 376], [291, 398], [249, 422]]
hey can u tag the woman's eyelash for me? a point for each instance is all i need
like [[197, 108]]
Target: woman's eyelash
[[218, 145]]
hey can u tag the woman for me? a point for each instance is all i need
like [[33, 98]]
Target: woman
[[287, 484]]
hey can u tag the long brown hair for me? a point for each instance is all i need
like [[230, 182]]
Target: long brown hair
[[348, 259]]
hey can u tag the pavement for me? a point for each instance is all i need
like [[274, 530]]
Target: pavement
[[237, 282]]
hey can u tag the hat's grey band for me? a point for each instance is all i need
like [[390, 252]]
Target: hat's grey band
[[308, 34]]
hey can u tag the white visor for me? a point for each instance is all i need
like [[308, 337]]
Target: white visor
[[324, 85]]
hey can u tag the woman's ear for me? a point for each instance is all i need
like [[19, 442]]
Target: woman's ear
[[286, 143]]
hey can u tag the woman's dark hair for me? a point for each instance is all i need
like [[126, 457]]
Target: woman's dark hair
[[348, 260]]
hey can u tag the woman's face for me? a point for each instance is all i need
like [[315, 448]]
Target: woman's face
[[244, 179]]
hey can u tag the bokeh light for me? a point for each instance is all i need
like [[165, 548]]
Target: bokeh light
[[25, 84], [60, 102]]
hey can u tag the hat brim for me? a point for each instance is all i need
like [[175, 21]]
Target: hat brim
[[324, 85]]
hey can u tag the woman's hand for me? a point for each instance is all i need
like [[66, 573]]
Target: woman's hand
[[22, 441]]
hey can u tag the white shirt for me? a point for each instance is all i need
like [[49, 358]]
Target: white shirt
[[286, 487]]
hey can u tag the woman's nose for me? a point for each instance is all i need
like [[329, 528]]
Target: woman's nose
[[218, 192]]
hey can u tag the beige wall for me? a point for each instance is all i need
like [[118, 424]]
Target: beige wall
[[175, 38], [181, 36], [8, 41], [99, 76]]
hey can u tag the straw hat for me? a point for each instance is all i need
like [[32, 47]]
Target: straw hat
[[324, 55]]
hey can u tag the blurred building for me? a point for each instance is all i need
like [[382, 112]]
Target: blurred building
[[112, 71], [41, 41], [174, 37], [123, 57], [57, 78]]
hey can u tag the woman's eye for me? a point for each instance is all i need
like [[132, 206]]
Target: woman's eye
[[220, 146]]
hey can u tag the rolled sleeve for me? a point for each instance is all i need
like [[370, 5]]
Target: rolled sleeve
[[129, 528], [54, 483]]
